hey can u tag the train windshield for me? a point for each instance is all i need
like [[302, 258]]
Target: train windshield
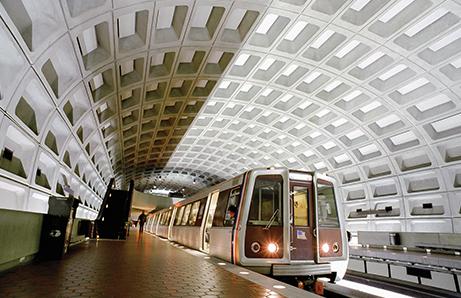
[[327, 209], [266, 202]]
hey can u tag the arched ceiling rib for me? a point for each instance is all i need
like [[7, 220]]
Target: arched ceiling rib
[[367, 90]]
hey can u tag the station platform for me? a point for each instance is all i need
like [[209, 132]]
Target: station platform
[[142, 266]]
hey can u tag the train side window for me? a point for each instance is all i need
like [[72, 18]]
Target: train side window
[[193, 213], [266, 201], [168, 220], [186, 214], [234, 200], [179, 214], [218, 219], [201, 210]]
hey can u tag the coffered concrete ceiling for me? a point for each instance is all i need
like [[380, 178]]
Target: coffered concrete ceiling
[[183, 94]]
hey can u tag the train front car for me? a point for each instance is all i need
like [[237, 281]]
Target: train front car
[[290, 225]]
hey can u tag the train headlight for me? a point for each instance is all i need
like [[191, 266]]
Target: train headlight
[[335, 247], [325, 248], [272, 248]]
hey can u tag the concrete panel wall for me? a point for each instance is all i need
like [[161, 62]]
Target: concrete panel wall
[[19, 236]]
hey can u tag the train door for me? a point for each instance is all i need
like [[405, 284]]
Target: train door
[[302, 240], [331, 239], [170, 224], [209, 221]]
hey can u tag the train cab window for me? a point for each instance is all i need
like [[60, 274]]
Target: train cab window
[[233, 202], [179, 215], [300, 205], [201, 210], [266, 201], [218, 219], [186, 215], [327, 209], [193, 213]]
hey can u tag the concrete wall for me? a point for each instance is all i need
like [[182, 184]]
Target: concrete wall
[[19, 237]]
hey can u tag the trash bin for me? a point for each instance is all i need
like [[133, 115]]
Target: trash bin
[[57, 227]]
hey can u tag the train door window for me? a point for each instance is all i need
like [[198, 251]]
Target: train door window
[[218, 219], [209, 221], [179, 215], [201, 210], [300, 205], [327, 209], [233, 202], [193, 213], [186, 215], [266, 201]]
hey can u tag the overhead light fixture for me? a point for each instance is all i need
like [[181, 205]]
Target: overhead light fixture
[[295, 30], [241, 59], [322, 39], [267, 23], [395, 10], [370, 60]]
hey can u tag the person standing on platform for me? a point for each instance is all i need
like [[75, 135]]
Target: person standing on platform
[[142, 220]]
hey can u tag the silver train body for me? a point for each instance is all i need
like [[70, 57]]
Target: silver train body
[[287, 223]]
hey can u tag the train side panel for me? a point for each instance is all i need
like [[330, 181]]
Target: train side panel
[[221, 242]]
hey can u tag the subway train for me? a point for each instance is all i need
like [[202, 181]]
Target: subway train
[[274, 221]]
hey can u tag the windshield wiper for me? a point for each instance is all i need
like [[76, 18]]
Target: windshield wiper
[[271, 220]]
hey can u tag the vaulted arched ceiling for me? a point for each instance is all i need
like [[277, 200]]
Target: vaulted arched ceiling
[[188, 93]]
